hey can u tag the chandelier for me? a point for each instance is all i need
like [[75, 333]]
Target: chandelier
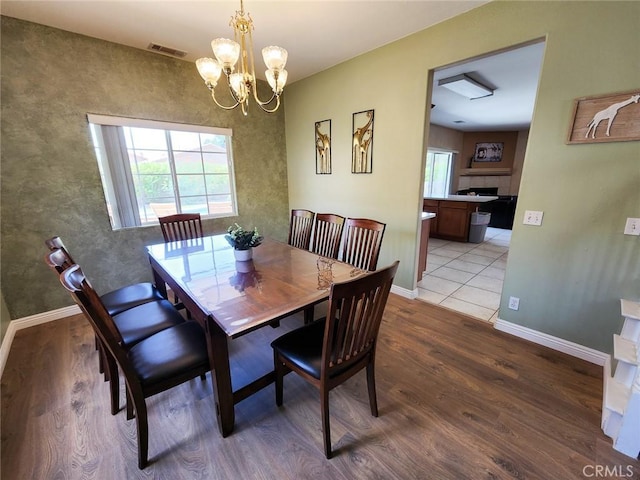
[[241, 78]]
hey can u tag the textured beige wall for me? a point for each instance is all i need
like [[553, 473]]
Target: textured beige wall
[[445, 138], [570, 273], [5, 318], [50, 184]]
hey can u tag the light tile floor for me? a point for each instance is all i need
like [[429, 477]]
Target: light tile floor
[[467, 277]]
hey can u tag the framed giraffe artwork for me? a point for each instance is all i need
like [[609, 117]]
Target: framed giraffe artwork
[[323, 147], [606, 118], [362, 146]]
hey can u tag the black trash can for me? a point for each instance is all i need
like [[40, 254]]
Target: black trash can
[[478, 227]]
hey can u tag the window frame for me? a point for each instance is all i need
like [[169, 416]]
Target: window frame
[[126, 208], [428, 183]]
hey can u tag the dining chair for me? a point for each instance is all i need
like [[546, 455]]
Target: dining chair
[[155, 364], [328, 352], [134, 324], [118, 300], [182, 226], [300, 228], [327, 234], [362, 242]]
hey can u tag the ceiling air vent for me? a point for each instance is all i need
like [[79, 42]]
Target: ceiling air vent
[[167, 50]]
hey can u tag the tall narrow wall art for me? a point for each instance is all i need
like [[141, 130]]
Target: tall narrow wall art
[[362, 147], [323, 147]]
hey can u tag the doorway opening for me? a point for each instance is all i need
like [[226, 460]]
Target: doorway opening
[[461, 275]]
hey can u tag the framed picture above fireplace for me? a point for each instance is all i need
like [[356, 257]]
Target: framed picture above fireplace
[[488, 152]]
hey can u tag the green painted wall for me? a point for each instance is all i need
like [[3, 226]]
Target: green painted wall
[[50, 185], [569, 273]]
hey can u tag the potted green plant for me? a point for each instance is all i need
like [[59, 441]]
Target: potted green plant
[[243, 241]]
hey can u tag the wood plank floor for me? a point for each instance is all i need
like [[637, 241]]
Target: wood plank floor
[[457, 400]]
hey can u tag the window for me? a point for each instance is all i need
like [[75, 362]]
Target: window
[[437, 173], [152, 169]]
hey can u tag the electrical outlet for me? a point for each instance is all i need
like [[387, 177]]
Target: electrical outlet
[[531, 217], [514, 303], [632, 227]]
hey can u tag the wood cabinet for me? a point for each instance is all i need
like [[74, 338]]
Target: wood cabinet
[[452, 218], [431, 206]]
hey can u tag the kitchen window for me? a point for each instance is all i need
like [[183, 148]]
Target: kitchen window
[[153, 169], [437, 174]]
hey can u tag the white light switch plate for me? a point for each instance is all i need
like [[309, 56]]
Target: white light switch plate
[[632, 227], [532, 217]]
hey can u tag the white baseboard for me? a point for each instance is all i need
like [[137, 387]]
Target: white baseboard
[[555, 343], [403, 292], [31, 321]]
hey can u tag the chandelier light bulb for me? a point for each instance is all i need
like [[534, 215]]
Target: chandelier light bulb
[[226, 51], [275, 58], [236, 80], [277, 80], [209, 70]]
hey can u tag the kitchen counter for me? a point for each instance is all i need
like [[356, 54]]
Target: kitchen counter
[[465, 198], [453, 214]]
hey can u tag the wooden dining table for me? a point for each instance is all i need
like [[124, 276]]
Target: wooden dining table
[[230, 298]]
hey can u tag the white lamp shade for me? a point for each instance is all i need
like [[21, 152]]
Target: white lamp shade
[[281, 79], [209, 70], [275, 58], [236, 80], [226, 51]]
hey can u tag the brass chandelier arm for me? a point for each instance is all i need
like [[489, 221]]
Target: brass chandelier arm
[[255, 95], [213, 95], [262, 104]]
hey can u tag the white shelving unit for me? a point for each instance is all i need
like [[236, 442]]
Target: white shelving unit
[[621, 399]]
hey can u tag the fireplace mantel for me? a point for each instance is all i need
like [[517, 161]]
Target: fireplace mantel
[[472, 172]]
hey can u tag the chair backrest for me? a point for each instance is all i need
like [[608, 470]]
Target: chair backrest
[[58, 260], [183, 226], [353, 318], [300, 228], [362, 242], [327, 234], [74, 280], [55, 243]]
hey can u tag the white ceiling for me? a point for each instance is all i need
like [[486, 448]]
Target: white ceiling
[[513, 74], [317, 35]]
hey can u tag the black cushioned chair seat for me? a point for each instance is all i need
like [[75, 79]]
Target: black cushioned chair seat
[[145, 320], [170, 353], [303, 347], [130, 296]]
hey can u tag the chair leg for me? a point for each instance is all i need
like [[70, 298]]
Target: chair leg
[[114, 382], [130, 412], [101, 363], [326, 431], [279, 371], [100, 357], [371, 386], [142, 426]]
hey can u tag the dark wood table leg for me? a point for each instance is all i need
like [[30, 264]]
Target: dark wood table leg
[[221, 376], [308, 315]]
